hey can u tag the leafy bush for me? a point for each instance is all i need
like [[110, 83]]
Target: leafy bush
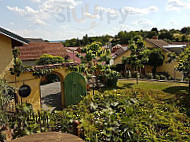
[[157, 77], [162, 77], [142, 76], [163, 74], [109, 77], [49, 59], [128, 74], [129, 115], [149, 75], [170, 78]]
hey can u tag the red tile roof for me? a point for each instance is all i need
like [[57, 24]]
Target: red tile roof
[[71, 49], [34, 51], [158, 42], [180, 43], [75, 59]]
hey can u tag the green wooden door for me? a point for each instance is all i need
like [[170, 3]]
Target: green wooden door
[[74, 88]]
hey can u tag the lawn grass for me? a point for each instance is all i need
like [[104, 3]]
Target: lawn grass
[[167, 87]]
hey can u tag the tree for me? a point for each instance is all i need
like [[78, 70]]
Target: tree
[[156, 58], [183, 60], [154, 29], [49, 59], [185, 30], [166, 35], [93, 63], [139, 54]]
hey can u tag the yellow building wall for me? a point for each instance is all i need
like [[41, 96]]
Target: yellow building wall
[[34, 82], [170, 68], [166, 67], [148, 45], [118, 60], [5, 55]]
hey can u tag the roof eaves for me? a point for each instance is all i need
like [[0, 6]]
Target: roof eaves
[[13, 36]]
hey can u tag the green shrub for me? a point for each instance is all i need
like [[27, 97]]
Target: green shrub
[[142, 76], [157, 77], [162, 77], [170, 78], [49, 59], [128, 74], [128, 115], [149, 75], [111, 78]]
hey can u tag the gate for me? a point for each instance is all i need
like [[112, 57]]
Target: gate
[[74, 88]]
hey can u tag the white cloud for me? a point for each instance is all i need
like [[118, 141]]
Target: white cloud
[[35, 1], [12, 24], [91, 16], [36, 16], [143, 24], [133, 10], [177, 4], [109, 11], [47, 9]]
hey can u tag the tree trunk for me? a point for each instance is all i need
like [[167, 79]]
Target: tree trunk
[[189, 87], [137, 77], [154, 71]]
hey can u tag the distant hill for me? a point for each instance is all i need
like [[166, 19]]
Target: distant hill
[[58, 41]]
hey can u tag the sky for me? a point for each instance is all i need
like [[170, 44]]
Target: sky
[[66, 19]]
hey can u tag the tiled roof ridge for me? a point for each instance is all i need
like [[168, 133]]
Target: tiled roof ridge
[[151, 41]]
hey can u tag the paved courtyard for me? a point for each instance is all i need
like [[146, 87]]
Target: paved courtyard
[[51, 96]]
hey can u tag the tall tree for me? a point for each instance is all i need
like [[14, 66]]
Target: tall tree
[[139, 54], [156, 58], [93, 63], [183, 60], [154, 29]]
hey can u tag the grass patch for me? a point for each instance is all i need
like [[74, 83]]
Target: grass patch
[[167, 87]]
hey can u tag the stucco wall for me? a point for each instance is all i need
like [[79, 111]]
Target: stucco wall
[[169, 68], [34, 82], [118, 60], [29, 63], [5, 54]]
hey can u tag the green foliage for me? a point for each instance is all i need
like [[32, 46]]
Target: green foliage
[[49, 59], [149, 76], [139, 54], [185, 30], [93, 64], [128, 115], [157, 77], [75, 42], [132, 116], [42, 72], [6, 93], [156, 58], [183, 62], [124, 37], [128, 74], [18, 68], [165, 34]]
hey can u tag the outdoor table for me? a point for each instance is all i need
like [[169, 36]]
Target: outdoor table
[[49, 137]]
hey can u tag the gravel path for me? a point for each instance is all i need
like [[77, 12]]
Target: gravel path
[[51, 96]]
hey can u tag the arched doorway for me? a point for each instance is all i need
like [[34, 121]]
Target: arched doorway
[[51, 92], [74, 88]]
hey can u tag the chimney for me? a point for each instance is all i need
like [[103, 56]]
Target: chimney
[[155, 37]]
